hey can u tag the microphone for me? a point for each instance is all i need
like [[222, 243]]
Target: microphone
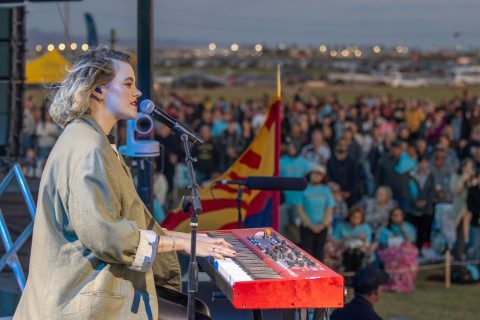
[[148, 107], [269, 183]]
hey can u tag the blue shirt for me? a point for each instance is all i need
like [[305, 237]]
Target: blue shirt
[[344, 230], [406, 231], [218, 127], [293, 167], [316, 200]]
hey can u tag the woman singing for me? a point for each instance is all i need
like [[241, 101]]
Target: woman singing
[[97, 253]]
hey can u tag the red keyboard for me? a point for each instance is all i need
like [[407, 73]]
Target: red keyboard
[[270, 272]]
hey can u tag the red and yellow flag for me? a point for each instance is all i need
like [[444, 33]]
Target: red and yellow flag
[[259, 208]]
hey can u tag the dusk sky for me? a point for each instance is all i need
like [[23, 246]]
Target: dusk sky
[[423, 23]]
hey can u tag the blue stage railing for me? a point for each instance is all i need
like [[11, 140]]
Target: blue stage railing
[[10, 258]]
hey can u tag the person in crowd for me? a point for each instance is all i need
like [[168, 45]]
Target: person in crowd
[[237, 111], [339, 123], [353, 147], [230, 144], [398, 253], [247, 134], [408, 159], [333, 248], [340, 211], [386, 174], [356, 236], [206, 119], [28, 125], [292, 165], [461, 216], [450, 153], [423, 150], [473, 142], [436, 126], [473, 114], [377, 209], [315, 211], [473, 206], [421, 192], [259, 115], [47, 133], [296, 136], [171, 152], [458, 125], [219, 127], [318, 151], [29, 164], [442, 171], [475, 154], [414, 116], [367, 284], [344, 171], [207, 155], [220, 121]]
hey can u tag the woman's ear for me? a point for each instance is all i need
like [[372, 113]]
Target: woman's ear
[[98, 93]]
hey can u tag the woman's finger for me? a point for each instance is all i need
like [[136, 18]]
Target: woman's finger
[[218, 256], [223, 242], [227, 252]]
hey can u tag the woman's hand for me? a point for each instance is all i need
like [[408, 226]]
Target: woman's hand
[[217, 241], [218, 248], [317, 228]]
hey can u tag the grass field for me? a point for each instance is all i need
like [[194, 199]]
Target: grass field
[[432, 301], [347, 93]]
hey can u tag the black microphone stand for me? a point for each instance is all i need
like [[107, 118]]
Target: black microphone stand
[[191, 202], [239, 206]]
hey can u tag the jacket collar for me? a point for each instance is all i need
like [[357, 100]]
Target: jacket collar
[[110, 138], [88, 118]]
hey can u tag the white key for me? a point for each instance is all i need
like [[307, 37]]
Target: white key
[[231, 272]]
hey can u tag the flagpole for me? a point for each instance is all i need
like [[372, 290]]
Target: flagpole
[[279, 83], [278, 106]]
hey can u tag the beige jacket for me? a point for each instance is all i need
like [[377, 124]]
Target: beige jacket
[[86, 234]]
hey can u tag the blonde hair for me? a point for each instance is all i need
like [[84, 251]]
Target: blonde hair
[[92, 69]]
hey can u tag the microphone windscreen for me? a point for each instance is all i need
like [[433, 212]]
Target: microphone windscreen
[[276, 183], [146, 106]]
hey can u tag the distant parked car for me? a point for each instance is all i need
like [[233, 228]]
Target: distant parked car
[[357, 77], [465, 75], [408, 81], [198, 80]]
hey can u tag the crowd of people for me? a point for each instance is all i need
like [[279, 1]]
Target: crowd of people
[[389, 179], [38, 136]]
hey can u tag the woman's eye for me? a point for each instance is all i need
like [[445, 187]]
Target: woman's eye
[[128, 84]]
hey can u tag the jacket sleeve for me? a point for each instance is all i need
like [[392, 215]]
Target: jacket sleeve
[[165, 267], [95, 212]]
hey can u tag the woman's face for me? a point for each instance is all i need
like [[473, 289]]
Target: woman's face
[[316, 177], [397, 216], [423, 165], [382, 195], [121, 94], [356, 218], [468, 168]]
